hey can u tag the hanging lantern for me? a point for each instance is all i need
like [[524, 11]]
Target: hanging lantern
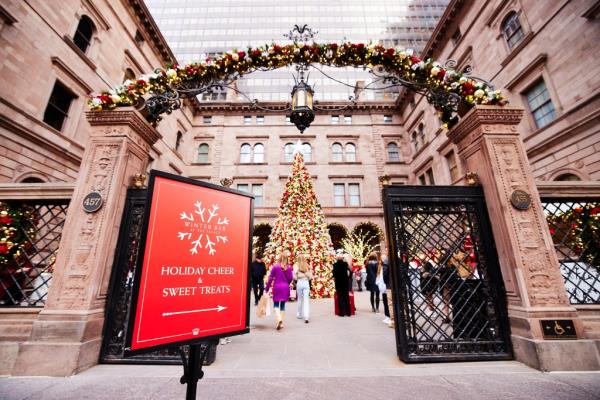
[[302, 106]]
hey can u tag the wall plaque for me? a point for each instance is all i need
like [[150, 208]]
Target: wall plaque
[[520, 199], [558, 329], [92, 202]]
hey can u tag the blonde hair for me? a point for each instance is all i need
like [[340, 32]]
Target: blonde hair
[[302, 262], [285, 260]]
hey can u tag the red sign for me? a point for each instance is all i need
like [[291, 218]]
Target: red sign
[[194, 279]]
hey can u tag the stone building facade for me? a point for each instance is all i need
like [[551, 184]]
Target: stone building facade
[[53, 58], [540, 57]]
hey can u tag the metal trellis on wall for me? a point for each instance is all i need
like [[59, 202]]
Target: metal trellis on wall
[[574, 225], [26, 278]]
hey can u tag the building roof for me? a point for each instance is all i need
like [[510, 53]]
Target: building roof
[[157, 40]]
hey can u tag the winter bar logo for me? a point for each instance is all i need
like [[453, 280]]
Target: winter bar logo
[[192, 282], [201, 224]]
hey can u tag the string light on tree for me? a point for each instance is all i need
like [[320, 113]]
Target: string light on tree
[[300, 228]]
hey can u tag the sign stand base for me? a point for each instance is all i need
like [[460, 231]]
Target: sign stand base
[[192, 368]]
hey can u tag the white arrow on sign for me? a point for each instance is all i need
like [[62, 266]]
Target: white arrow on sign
[[218, 309]]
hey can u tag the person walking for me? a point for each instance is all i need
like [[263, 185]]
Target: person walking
[[280, 278], [385, 271], [303, 275], [258, 272], [341, 277], [373, 263]]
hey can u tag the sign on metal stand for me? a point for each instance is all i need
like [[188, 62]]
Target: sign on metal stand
[[192, 283]]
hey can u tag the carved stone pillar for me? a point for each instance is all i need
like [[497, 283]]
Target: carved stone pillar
[[67, 335], [489, 145]]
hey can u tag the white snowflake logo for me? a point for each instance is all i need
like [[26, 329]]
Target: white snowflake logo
[[204, 223]]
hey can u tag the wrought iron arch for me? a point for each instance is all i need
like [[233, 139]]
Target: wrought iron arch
[[448, 90]]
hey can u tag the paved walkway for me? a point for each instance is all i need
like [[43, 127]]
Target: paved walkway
[[329, 358]]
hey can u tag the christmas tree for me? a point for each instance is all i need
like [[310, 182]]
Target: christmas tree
[[300, 228]]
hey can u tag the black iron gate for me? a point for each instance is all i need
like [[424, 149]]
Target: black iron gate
[[119, 293], [449, 299]]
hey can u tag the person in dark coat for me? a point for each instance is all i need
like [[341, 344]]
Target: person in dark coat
[[341, 277], [258, 272], [373, 264], [385, 268]]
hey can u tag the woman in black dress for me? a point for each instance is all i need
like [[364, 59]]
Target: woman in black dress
[[341, 277], [373, 263]]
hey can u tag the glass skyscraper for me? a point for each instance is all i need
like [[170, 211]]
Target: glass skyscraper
[[197, 29]]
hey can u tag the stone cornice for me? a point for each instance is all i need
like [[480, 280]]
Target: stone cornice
[[60, 64], [557, 190], [439, 34], [481, 115], [128, 117], [157, 39], [36, 191]]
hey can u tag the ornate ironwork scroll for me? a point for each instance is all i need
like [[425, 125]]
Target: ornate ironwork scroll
[[449, 300]]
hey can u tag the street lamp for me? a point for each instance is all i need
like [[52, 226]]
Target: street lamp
[[302, 104]]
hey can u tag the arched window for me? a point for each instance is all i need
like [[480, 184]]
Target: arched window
[[511, 28], [337, 153], [178, 140], [350, 152], [392, 150], [422, 139], [245, 154], [414, 141], [32, 179], [259, 153], [129, 75], [567, 177], [83, 34], [307, 152], [288, 152], [203, 153]]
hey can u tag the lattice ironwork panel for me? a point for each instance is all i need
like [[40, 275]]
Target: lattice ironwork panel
[[33, 231], [119, 300], [575, 229], [448, 301]]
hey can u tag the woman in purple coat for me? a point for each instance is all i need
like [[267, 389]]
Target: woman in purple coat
[[280, 277]]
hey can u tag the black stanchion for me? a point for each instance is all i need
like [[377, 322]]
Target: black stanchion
[[192, 368]]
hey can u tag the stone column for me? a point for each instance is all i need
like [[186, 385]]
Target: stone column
[[489, 144], [67, 335]]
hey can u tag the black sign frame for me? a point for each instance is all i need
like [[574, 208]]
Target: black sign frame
[[140, 262]]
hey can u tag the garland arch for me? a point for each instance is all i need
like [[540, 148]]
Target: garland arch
[[444, 87]]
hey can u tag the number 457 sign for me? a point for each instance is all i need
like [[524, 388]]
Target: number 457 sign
[[92, 202]]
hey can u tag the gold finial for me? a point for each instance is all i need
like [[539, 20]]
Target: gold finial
[[226, 182], [385, 180], [139, 181], [472, 178]]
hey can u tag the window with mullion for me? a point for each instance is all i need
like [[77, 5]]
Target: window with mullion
[[245, 154], [307, 152], [541, 104], [288, 152], [339, 195], [257, 191], [354, 195], [58, 106], [393, 154], [513, 32], [337, 154], [259, 153], [83, 34], [350, 152], [203, 153]]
